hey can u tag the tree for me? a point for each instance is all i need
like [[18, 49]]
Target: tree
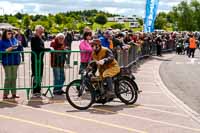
[[1, 19], [58, 19], [101, 19], [195, 5], [26, 21], [161, 21], [118, 26], [81, 27], [140, 20], [19, 15]]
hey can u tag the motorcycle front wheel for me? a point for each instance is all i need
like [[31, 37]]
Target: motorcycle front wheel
[[79, 95]]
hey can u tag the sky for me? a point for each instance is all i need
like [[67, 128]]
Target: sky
[[121, 7]]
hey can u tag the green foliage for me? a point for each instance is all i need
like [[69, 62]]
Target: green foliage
[[184, 17], [81, 26], [26, 21], [101, 19], [19, 15], [118, 26], [58, 19], [140, 20], [161, 21]]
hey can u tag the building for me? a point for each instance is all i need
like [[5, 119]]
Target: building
[[122, 19], [133, 21]]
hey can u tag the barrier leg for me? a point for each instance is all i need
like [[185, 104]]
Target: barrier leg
[[48, 90]]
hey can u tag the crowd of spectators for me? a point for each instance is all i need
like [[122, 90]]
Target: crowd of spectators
[[114, 40]]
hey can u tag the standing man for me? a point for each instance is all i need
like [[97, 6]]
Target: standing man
[[192, 46], [37, 46], [159, 45], [57, 63], [28, 33], [68, 42]]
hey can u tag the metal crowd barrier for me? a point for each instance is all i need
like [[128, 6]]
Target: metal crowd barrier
[[24, 81], [71, 70], [135, 53]]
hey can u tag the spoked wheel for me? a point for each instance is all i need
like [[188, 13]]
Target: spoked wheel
[[79, 95], [126, 90]]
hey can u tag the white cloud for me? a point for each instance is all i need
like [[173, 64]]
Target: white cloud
[[7, 7], [122, 7]]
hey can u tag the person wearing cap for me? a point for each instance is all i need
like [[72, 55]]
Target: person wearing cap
[[106, 39], [37, 47], [57, 63], [107, 65]]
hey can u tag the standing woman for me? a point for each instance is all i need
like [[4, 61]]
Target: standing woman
[[10, 62], [86, 50]]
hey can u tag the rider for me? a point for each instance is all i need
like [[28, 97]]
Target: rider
[[107, 65]]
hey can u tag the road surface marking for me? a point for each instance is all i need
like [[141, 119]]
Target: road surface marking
[[157, 105], [35, 123], [151, 92], [163, 111], [148, 119], [78, 117], [66, 103]]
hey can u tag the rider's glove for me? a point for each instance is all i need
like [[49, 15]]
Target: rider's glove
[[100, 62]]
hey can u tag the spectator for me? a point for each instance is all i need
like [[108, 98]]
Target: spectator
[[105, 39], [159, 45], [0, 40], [1, 35], [28, 33], [21, 41], [10, 62], [86, 50], [21, 38], [37, 46], [57, 63], [192, 46], [68, 43]]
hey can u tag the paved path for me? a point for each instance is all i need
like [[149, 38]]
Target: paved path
[[155, 111]]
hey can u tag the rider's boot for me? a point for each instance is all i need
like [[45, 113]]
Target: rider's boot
[[110, 91]]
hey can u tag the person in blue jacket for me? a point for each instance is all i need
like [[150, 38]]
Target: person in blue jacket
[[10, 61], [105, 39]]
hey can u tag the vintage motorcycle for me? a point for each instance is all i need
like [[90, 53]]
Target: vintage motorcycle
[[90, 89]]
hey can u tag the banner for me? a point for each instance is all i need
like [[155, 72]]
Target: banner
[[150, 16]]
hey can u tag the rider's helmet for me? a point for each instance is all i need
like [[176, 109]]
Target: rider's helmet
[[96, 45]]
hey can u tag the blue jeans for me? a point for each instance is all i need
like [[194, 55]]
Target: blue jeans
[[59, 78]]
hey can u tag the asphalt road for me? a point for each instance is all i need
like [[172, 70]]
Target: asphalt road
[[181, 75]]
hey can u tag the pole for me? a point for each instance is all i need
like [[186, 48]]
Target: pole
[[2, 10]]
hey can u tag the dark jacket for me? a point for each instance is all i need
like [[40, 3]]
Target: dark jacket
[[37, 46], [68, 40], [57, 58]]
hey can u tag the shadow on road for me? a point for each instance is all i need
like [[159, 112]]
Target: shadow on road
[[8, 103], [105, 109], [38, 102], [159, 58]]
